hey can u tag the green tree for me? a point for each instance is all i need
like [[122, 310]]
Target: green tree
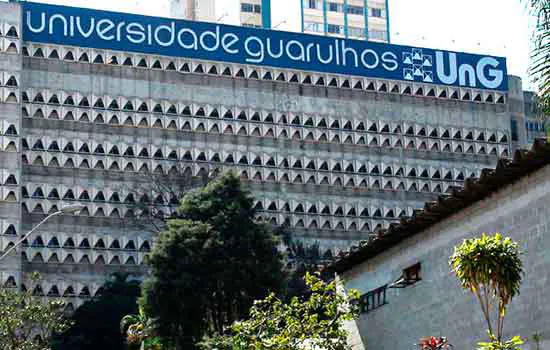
[[540, 57], [312, 322], [491, 268], [210, 264], [26, 322], [96, 324]]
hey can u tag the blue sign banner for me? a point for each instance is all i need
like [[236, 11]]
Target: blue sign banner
[[73, 26]]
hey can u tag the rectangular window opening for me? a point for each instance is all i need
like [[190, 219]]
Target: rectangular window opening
[[412, 274]]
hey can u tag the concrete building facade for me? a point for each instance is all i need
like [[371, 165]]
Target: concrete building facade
[[407, 289], [332, 157]]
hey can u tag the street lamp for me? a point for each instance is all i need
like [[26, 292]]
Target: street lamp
[[222, 16], [70, 209], [278, 24]]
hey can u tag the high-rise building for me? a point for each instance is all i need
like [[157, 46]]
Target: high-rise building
[[355, 19], [248, 13], [196, 10]]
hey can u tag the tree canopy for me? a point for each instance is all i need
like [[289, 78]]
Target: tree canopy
[[210, 264], [540, 58], [491, 268], [96, 324], [27, 323], [312, 322]]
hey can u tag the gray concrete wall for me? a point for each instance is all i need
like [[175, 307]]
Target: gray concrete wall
[[437, 305], [11, 63]]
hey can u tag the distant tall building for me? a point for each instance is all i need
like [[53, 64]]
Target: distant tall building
[[196, 10], [355, 19], [248, 13]]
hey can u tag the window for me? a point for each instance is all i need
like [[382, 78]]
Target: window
[[313, 4], [356, 32], [313, 27], [334, 7], [258, 8], [356, 10], [335, 29], [373, 299], [247, 7], [374, 12], [377, 35], [410, 276]]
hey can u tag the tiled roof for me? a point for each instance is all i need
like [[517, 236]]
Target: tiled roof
[[507, 172]]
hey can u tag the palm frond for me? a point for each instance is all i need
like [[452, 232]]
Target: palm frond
[[540, 55]]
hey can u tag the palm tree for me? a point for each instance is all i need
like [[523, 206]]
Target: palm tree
[[540, 56], [140, 331]]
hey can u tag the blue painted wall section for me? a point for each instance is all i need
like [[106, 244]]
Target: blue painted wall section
[[266, 14], [73, 26]]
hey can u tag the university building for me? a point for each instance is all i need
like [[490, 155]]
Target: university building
[[333, 152]]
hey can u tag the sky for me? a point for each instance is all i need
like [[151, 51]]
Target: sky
[[494, 27]]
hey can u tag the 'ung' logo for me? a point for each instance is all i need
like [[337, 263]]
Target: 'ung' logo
[[486, 71], [419, 67]]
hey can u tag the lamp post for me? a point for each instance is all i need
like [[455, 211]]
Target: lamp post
[[278, 24], [222, 16], [70, 209]]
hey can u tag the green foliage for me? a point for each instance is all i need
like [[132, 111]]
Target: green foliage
[[302, 258], [491, 268], [489, 261], [313, 322], [96, 324], [210, 264], [512, 344], [27, 323], [140, 331], [540, 57], [537, 338]]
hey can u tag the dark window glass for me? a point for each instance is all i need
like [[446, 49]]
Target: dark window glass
[[312, 4], [356, 10], [258, 8], [376, 12], [332, 6], [334, 29], [514, 128], [247, 7]]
